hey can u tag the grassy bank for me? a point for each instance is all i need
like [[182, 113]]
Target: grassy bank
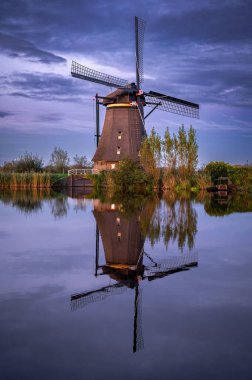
[[29, 180]]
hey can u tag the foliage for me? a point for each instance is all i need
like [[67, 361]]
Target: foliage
[[177, 154], [81, 162], [150, 156], [28, 162], [59, 159], [28, 180], [240, 176], [130, 178], [217, 169]]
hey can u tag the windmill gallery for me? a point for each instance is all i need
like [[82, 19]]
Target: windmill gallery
[[124, 124]]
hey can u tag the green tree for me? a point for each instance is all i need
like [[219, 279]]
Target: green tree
[[150, 155], [192, 152], [168, 150], [59, 159], [182, 151], [217, 169]]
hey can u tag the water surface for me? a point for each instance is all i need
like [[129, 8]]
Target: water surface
[[126, 288]]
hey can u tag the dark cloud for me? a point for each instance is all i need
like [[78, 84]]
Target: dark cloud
[[43, 86], [16, 47], [103, 26], [4, 114], [209, 25], [200, 50], [50, 117]]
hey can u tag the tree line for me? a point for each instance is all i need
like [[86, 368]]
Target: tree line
[[171, 160], [59, 163]]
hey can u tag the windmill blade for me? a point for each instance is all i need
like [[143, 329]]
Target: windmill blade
[[138, 341], [171, 104], [83, 72], [170, 265], [139, 35], [80, 300]]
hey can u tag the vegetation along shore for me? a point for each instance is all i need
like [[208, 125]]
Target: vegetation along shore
[[168, 163]]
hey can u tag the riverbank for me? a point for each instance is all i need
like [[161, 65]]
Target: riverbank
[[130, 178]]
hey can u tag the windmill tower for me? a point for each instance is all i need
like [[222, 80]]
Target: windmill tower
[[124, 128]]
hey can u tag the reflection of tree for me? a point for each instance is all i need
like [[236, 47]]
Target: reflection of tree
[[220, 204], [59, 206], [172, 218], [28, 201], [81, 204], [31, 201], [150, 220]]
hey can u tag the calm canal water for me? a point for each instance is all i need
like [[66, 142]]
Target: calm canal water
[[126, 289]]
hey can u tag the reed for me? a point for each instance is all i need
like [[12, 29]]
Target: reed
[[27, 180]]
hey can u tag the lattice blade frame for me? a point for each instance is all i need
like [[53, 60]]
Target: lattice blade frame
[[83, 72], [171, 104], [139, 36]]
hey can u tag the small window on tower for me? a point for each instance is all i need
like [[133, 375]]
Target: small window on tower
[[119, 135], [112, 166], [118, 150], [119, 235]]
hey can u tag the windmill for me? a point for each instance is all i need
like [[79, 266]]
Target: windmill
[[124, 124]]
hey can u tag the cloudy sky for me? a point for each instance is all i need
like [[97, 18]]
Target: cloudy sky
[[196, 50]]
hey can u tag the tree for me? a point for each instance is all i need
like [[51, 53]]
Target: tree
[[182, 150], [59, 159], [81, 162], [28, 162], [192, 152], [150, 155]]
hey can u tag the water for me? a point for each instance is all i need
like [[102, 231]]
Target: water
[[130, 289]]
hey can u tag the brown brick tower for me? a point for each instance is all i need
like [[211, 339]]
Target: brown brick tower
[[123, 129]]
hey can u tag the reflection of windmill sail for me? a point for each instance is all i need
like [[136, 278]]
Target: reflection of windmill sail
[[138, 342], [170, 265], [82, 299]]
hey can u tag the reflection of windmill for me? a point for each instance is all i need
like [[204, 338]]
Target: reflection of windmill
[[124, 253], [124, 127]]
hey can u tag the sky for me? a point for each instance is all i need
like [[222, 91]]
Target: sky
[[200, 51]]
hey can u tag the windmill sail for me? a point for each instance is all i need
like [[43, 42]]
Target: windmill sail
[[82, 299], [171, 104], [139, 35], [83, 72]]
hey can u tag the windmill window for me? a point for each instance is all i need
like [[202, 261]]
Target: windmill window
[[119, 135], [118, 221], [119, 235], [113, 206], [118, 150], [112, 166]]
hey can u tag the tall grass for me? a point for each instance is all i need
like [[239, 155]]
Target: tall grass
[[28, 180]]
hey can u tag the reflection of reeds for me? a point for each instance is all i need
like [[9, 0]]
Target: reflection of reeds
[[27, 180]]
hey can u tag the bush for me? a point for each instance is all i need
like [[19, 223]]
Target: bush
[[26, 163]]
